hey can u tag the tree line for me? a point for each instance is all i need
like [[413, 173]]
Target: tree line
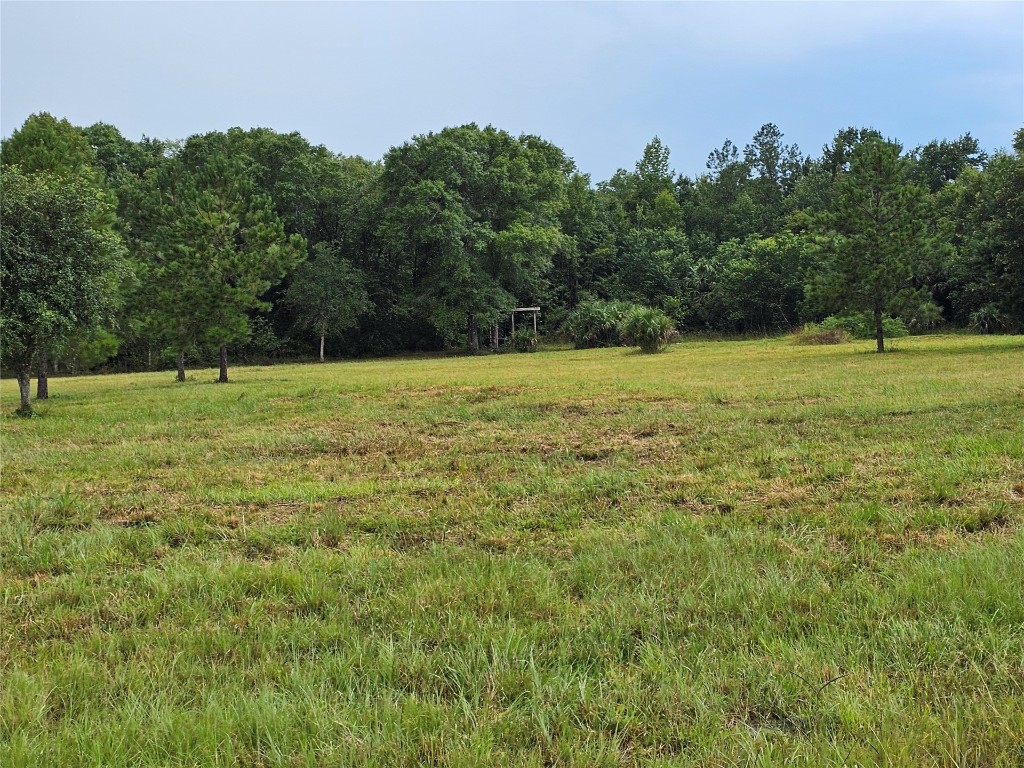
[[151, 253]]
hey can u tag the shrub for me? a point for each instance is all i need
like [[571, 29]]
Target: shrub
[[812, 333], [524, 340], [596, 323], [649, 329], [988, 319], [862, 326]]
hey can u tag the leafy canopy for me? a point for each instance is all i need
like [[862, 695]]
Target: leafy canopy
[[60, 270]]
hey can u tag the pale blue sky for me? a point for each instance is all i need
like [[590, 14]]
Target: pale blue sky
[[598, 79]]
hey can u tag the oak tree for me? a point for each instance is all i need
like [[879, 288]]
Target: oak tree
[[60, 267]]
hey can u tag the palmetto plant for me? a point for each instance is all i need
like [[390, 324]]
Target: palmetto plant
[[596, 323], [649, 329]]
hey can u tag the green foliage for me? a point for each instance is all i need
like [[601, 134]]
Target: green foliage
[[524, 340], [47, 145], [55, 149], [650, 329], [988, 318], [939, 163], [596, 323], [262, 345], [759, 282], [836, 157], [85, 350], [470, 222], [326, 293], [775, 168], [877, 236], [989, 268], [216, 248], [648, 265], [60, 268], [453, 229], [861, 326]]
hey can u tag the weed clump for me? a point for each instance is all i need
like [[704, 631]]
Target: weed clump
[[812, 333]]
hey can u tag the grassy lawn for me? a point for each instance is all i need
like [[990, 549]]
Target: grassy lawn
[[735, 553]]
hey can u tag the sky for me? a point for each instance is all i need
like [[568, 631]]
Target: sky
[[598, 79]]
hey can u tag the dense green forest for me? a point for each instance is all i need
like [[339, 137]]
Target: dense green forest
[[260, 243]]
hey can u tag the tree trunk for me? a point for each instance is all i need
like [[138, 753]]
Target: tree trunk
[[181, 365], [223, 379], [472, 334], [321, 347], [879, 338], [43, 382], [25, 388]]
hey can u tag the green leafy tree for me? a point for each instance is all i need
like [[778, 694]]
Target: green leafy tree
[[654, 188], [938, 163], [644, 197], [327, 294], [776, 168], [721, 205], [648, 265], [760, 285], [470, 224], [86, 348], [721, 159], [986, 276], [60, 269], [44, 144], [877, 233], [125, 165], [584, 229]]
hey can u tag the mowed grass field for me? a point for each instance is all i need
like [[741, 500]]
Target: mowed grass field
[[734, 553]]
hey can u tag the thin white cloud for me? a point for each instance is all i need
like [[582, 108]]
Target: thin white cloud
[[747, 30]]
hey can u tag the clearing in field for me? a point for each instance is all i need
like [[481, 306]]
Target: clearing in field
[[727, 554]]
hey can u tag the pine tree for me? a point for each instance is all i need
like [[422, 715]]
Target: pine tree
[[217, 250], [878, 231]]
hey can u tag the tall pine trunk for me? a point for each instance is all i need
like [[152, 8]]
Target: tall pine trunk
[[181, 365], [472, 333], [223, 378], [879, 338], [25, 388], [43, 382]]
